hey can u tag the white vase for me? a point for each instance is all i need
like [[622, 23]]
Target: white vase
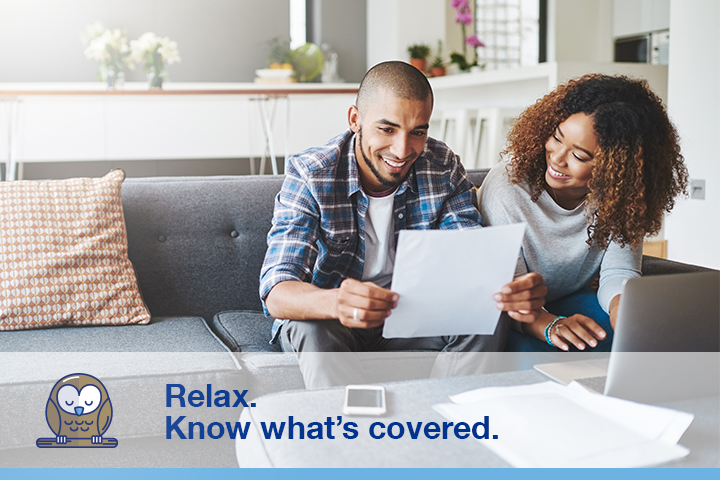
[[155, 81], [452, 69], [115, 80]]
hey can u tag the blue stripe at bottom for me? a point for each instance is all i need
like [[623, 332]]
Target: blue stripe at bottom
[[358, 474]]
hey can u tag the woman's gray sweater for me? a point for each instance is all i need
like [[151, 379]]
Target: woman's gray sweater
[[554, 244]]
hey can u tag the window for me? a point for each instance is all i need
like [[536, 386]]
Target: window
[[298, 22], [510, 31]]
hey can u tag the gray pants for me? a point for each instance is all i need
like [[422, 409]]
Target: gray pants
[[331, 354]]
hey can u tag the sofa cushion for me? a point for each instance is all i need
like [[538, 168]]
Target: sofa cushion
[[245, 331], [270, 370], [136, 383], [198, 242], [476, 176], [63, 255], [134, 362], [661, 266], [179, 334]]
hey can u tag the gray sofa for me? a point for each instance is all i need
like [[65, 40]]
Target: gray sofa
[[197, 245]]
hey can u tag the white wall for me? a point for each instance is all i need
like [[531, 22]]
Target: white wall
[[580, 31], [218, 40], [393, 25], [634, 17], [343, 27], [693, 228]]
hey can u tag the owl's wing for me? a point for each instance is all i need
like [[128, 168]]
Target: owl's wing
[[52, 415], [104, 417]]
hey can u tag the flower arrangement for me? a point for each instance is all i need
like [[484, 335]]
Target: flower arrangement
[[464, 17], [154, 52], [110, 48]]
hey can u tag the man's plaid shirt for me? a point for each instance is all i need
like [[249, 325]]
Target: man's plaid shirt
[[318, 227]]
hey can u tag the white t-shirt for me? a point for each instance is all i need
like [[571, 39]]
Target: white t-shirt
[[379, 240]]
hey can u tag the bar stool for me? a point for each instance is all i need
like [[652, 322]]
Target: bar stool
[[457, 120], [489, 135], [11, 110], [267, 107]]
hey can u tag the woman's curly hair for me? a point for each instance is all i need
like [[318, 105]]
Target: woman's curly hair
[[638, 169]]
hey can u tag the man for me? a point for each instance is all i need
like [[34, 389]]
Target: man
[[332, 244]]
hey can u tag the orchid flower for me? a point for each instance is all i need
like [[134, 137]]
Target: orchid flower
[[474, 41]]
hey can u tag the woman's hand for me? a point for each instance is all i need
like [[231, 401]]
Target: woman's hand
[[523, 298], [578, 330]]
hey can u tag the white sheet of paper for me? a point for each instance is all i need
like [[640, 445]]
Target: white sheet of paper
[[446, 280], [551, 425]]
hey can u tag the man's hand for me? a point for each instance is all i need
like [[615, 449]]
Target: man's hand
[[523, 298], [364, 304], [356, 304]]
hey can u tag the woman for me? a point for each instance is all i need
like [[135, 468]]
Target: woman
[[592, 168]]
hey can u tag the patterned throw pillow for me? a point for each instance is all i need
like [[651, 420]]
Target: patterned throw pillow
[[63, 255]]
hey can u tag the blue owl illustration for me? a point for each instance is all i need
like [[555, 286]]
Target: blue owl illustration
[[78, 410]]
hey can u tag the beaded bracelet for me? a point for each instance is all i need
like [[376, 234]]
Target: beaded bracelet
[[549, 327]]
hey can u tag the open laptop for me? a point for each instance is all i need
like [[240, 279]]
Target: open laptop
[[666, 343]]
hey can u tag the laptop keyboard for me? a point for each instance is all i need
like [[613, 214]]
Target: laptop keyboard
[[593, 383]]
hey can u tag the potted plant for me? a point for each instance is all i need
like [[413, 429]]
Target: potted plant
[[418, 54], [464, 17], [437, 68]]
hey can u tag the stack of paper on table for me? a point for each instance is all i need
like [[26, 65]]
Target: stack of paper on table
[[551, 425]]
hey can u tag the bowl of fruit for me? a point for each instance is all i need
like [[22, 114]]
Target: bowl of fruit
[[276, 71]]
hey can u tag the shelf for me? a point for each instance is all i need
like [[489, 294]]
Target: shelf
[[170, 88]]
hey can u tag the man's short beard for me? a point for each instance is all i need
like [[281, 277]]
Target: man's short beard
[[385, 182]]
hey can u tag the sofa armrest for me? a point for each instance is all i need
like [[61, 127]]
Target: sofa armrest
[[661, 266]]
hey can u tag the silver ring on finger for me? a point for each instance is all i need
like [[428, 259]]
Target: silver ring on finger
[[557, 327], [355, 315]]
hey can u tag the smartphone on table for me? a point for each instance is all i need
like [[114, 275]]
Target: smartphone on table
[[364, 400]]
